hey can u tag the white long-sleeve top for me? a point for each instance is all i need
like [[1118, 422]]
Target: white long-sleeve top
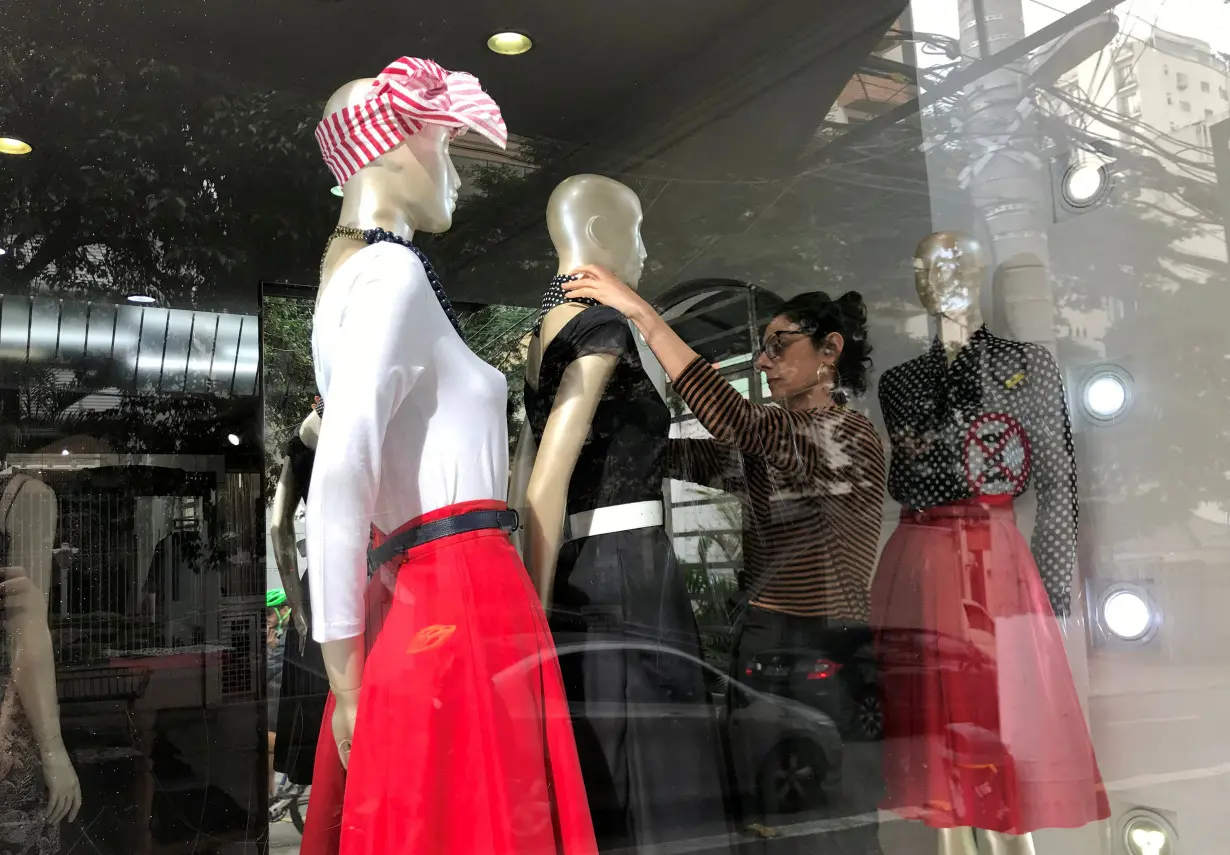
[[414, 422]]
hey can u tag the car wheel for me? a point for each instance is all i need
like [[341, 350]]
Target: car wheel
[[792, 778], [869, 715]]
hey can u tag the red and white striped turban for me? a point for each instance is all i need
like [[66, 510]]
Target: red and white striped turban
[[408, 95]]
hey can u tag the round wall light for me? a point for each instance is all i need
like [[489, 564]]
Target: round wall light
[[509, 43], [1105, 395], [12, 145], [140, 298], [1128, 613], [232, 439], [1146, 833], [1085, 184]]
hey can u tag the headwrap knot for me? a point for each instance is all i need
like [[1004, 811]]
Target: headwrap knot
[[408, 95]]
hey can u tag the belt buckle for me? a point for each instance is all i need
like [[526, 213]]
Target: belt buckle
[[514, 523]]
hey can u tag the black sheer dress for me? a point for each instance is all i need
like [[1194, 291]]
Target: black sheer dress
[[305, 686], [622, 619]]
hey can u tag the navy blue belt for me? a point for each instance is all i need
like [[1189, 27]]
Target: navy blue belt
[[404, 541]]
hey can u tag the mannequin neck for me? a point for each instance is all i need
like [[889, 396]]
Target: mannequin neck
[[954, 330], [571, 259], [371, 206]]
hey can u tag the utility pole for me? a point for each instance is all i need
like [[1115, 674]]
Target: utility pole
[[1006, 175]]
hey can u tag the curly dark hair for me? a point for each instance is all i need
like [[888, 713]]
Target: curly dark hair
[[821, 315]]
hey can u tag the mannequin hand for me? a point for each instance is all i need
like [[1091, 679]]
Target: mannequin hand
[[301, 626], [15, 590], [64, 790], [600, 284], [345, 711]]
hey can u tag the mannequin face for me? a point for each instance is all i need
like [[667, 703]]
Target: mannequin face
[[630, 263], [422, 174], [791, 362], [948, 271]]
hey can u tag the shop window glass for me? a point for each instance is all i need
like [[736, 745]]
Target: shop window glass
[[911, 409]]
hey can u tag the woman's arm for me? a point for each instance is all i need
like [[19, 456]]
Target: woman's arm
[[285, 549], [783, 439]]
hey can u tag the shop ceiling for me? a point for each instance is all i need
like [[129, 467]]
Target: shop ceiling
[[704, 106]]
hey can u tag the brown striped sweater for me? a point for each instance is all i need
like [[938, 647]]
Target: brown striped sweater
[[811, 486]]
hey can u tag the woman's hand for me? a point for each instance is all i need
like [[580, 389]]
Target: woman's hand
[[345, 711], [600, 284], [64, 789]]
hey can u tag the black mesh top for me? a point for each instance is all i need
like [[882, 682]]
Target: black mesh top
[[623, 457], [989, 424]]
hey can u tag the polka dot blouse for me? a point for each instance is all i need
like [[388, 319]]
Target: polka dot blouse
[[991, 423]]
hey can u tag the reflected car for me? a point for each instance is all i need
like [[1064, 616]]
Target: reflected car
[[836, 677], [783, 757]]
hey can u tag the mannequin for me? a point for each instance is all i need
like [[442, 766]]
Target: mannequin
[[286, 498], [588, 216], [38, 784], [419, 600], [975, 746], [304, 687], [596, 431]]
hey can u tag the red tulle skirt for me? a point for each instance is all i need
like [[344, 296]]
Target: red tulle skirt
[[463, 742], [982, 723]]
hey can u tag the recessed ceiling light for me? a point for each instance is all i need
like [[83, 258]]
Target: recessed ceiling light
[[509, 43], [140, 298], [12, 145], [337, 190]]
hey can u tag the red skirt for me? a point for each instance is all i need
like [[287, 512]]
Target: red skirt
[[982, 723], [463, 742]]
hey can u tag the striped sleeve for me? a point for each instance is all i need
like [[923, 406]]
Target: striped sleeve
[[707, 462], [786, 440]]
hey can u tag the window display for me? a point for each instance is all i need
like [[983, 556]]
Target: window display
[[770, 428]]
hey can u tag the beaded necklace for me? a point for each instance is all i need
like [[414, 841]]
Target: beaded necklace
[[556, 296], [378, 235]]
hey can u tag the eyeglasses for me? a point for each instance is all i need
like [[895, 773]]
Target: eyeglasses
[[773, 346]]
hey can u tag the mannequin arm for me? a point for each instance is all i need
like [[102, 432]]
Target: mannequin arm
[[580, 392], [285, 552], [519, 479], [32, 527]]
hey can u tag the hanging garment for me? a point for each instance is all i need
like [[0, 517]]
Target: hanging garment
[[982, 722], [629, 646], [305, 685]]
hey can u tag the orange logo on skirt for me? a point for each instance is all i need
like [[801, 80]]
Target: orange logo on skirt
[[430, 637]]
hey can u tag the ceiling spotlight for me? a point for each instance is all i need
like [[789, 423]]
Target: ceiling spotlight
[[1085, 184], [12, 145], [140, 298], [336, 190], [64, 452], [232, 439], [1105, 396], [1127, 613], [509, 43], [3, 251]]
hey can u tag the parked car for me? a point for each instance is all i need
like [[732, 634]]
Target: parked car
[[783, 757], [836, 676]]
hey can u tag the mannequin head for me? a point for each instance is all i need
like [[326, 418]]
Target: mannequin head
[[415, 182], [948, 272], [596, 220], [815, 343]]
